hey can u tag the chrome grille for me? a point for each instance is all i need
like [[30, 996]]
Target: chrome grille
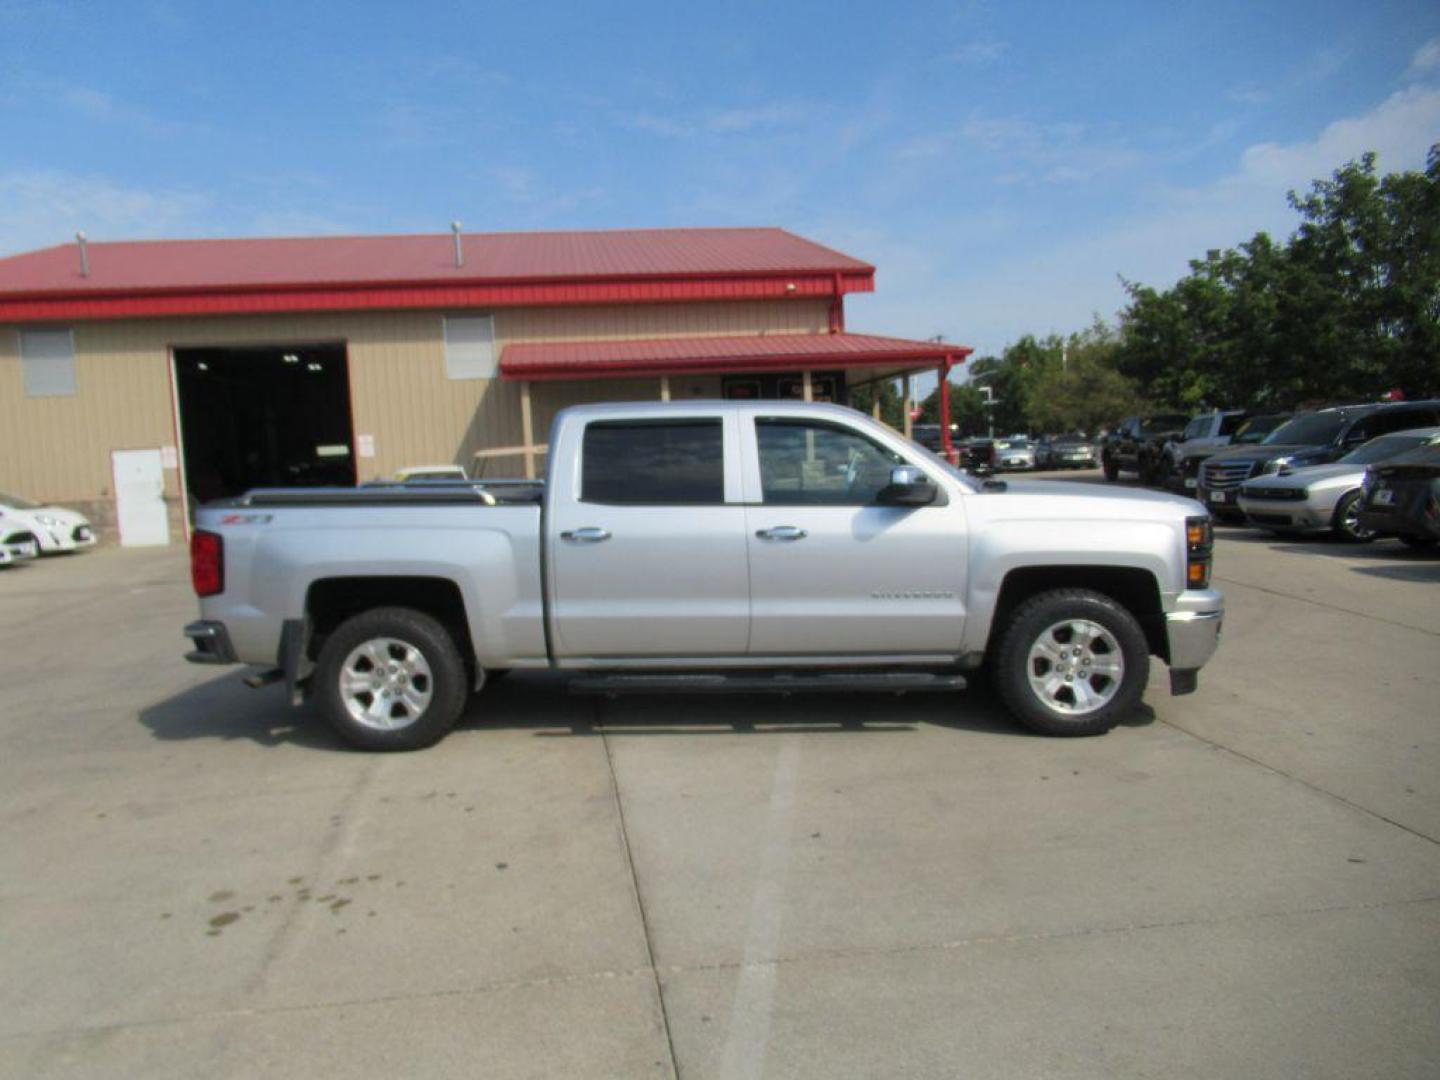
[[1223, 475]]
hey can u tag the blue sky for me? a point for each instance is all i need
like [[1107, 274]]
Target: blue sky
[[1002, 164]]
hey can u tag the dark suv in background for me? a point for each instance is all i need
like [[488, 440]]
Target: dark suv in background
[[1312, 438], [1185, 476], [1135, 444]]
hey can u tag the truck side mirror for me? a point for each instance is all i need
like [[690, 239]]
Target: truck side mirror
[[908, 486]]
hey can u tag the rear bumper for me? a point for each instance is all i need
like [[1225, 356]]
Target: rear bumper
[[1193, 633], [1393, 523], [212, 643]]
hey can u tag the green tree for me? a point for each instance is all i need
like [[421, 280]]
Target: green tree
[[1347, 307], [1085, 391]]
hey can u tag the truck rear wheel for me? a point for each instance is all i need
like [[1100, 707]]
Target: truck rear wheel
[[391, 679], [1071, 662]]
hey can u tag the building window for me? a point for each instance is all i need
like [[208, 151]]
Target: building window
[[669, 463], [470, 347], [47, 358]]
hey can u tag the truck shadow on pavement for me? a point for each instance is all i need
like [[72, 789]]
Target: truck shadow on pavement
[[541, 702]]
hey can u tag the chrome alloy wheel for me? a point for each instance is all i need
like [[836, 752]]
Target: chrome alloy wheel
[[386, 684], [1350, 522], [1075, 667]]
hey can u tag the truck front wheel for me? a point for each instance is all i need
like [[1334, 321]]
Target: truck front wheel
[[1071, 662], [391, 679]]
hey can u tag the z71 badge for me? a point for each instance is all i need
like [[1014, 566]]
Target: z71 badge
[[246, 519]]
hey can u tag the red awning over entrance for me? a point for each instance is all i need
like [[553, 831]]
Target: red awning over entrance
[[680, 356]]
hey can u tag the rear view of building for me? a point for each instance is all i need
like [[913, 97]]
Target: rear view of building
[[138, 380]]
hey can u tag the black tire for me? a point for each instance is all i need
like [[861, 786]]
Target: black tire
[[444, 675], [1145, 471], [1011, 666], [1345, 525], [1112, 471], [1419, 543]]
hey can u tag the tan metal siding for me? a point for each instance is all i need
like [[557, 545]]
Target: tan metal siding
[[59, 448]]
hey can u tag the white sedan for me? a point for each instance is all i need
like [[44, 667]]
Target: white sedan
[[16, 545], [53, 528]]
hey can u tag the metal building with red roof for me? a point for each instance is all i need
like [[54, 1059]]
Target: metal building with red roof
[[194, 369]]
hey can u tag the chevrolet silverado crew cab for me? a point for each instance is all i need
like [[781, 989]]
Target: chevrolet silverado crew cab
[[708, 546]]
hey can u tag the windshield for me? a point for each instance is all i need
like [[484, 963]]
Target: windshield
[[1163, 423], [1312, 429], [1070, 440], [1386, 446], [1256, 428], [17, 502]]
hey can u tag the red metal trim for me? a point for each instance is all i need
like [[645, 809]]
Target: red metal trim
[[946, 444], [231, 300], [620, 369]]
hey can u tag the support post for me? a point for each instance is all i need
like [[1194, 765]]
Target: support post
[[807, 386], [905, 404], [875, 403], [527, 430], [664, 387]]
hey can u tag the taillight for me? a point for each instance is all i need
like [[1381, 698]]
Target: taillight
[[207, 563], [1199, 550]]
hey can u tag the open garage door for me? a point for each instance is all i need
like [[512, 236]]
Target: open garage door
[[267, 416]]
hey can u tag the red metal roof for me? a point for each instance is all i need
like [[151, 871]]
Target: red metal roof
[[670, 356], [163, 277]]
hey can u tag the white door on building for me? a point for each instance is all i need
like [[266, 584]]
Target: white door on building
[[140, 497]]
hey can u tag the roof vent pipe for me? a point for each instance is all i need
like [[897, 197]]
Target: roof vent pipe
[[459, 251], [84, 255]]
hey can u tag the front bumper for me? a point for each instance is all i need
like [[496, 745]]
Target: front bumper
[[1193, 633], [1306, 514], [212, 643]]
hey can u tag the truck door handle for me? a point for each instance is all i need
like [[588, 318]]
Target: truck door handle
[[782, 532], [588, 535]]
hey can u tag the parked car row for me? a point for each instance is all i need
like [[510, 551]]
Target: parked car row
[[1313, 472], [28, 530]]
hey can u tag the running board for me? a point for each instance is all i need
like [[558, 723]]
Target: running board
[[900, 682]]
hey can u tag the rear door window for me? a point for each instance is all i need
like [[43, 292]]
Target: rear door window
[[653, 463]]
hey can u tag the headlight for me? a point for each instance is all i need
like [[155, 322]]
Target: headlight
[[48, 521], [1278, 464]]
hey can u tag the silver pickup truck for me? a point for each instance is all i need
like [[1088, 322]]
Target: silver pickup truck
[[708, 546]]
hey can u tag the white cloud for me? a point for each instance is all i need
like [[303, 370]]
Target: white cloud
[[980, 51], [1024, 150], [1058, 288], [737, 120], [1426, 59], [39, 208]]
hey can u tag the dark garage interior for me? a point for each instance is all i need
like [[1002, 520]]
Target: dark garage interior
[[264, 416]]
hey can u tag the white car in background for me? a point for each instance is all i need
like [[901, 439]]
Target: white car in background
[[1014, 452], [1325, 498], [53, 528], [16, 544]]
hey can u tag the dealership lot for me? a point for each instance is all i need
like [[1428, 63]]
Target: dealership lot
[[196, 879]]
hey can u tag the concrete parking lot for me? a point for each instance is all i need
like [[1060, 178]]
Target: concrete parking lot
[[197, 880]]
